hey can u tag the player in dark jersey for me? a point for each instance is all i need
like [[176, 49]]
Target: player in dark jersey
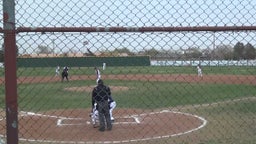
[[64, 73], [100, 95]]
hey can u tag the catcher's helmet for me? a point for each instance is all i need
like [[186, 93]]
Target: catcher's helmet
[[100, 82]]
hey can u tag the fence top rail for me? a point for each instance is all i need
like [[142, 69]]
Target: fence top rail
[[133, 29]]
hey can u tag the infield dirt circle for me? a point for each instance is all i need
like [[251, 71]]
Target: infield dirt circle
[[72, 126]]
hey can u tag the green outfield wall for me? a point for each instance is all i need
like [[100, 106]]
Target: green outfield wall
[[84, 61]]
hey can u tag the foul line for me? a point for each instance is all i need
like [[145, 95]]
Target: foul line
[[136, 118]]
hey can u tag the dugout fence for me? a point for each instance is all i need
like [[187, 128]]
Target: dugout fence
[[155, 104]]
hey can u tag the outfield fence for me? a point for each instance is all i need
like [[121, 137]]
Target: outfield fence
[[203, 63], [126, 39]]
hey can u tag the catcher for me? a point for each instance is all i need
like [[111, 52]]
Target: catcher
[[95, 116], [95, 113]]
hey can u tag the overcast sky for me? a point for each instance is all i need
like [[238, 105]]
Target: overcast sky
[[135, 13]]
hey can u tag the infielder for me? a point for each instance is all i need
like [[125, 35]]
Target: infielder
[[199, 71], [57, 71], [64, 73]]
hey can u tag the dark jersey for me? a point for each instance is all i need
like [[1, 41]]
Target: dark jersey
[[65, 69], [100, 93]]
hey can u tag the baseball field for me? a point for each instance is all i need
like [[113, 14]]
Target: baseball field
[[172, 105]]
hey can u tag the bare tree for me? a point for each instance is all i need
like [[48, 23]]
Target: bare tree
[[44, 50], [223, 52]]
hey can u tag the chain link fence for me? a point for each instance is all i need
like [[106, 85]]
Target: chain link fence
[[179, 71]]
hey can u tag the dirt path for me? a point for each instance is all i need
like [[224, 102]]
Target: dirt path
[[223, 79]]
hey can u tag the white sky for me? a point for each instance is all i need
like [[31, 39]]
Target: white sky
[[134, 13]]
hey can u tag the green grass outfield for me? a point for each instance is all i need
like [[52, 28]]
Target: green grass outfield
[[149, 95]]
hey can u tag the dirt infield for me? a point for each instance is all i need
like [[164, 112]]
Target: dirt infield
[[73, 125], [223, 79]]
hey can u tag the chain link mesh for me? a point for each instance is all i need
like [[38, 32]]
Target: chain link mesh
[[134, 13], [167, 100]]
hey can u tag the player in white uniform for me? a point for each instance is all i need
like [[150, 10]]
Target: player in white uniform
[[97, 72], [199, 71], [57, 71]]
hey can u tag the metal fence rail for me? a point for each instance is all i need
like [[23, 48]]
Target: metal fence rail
[[179, 71]]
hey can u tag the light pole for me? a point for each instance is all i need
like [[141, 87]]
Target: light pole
[[213, 45], [85, 43], [53, 46]]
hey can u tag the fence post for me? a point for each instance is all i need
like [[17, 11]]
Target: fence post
[[10, 53]]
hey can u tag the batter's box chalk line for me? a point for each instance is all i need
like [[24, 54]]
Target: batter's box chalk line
[[80, 121], [135, 120]]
